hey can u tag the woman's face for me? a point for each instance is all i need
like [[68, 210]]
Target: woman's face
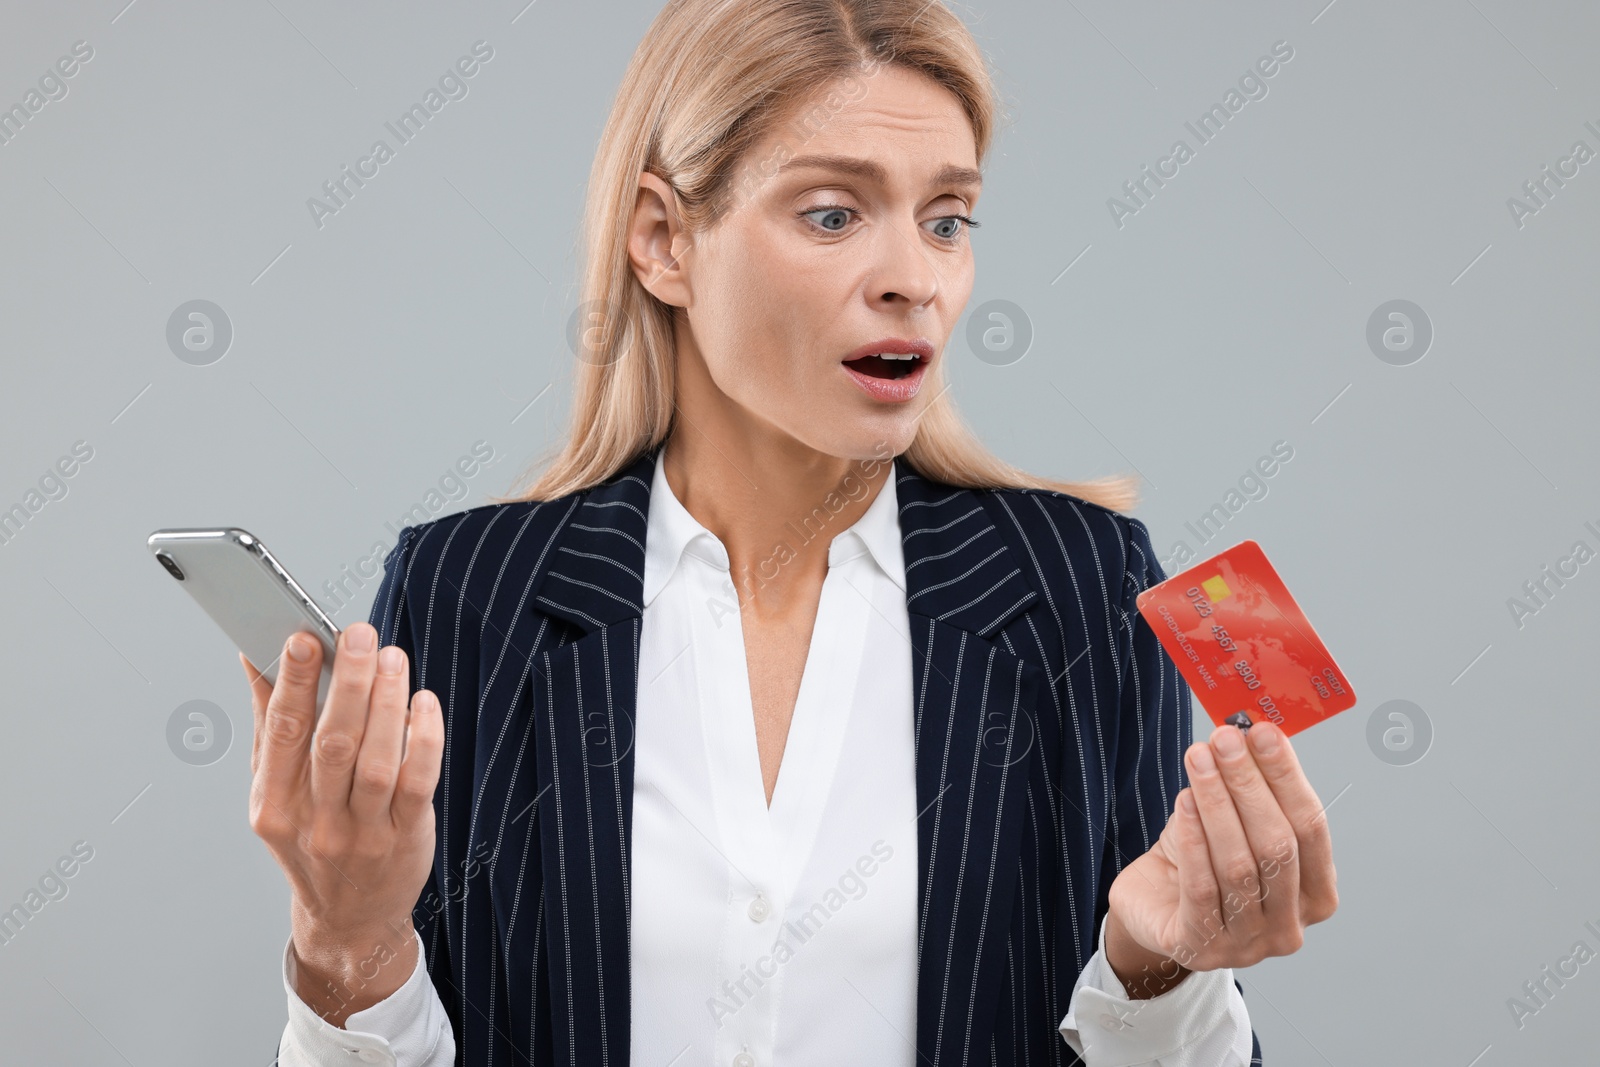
[[844, 240]]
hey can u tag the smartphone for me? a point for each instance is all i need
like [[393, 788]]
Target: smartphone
[[248, 593]]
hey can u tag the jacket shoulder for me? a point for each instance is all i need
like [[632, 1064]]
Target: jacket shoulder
[[466, 562], [501, 526], [1089, 563], [1065, 538]]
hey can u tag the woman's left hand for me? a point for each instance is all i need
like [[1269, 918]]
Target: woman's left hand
[[1233, 880]]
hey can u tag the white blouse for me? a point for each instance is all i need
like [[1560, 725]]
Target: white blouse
[[783, 935], [752, 926]]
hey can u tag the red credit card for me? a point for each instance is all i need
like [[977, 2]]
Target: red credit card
[[1244, 645]]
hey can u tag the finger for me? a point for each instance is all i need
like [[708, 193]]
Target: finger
[[344, 717], [291, 712], [378, 765], [1273, 842], [1306, 814], [1231, 859], [1200, 915], [260, 693], [419, 773]]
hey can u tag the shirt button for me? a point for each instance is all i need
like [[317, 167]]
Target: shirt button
[[744, 1059], [759, 909], [1111, 1022]]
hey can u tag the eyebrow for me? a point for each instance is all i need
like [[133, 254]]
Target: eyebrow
[[949, 174]]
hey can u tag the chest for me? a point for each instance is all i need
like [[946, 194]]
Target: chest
[[760, 890], [913, 812], [776, 650]]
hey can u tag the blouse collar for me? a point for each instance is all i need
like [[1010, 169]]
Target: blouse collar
[[671, 532]]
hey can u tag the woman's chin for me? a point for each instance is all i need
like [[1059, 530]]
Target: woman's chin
[[868, 439]]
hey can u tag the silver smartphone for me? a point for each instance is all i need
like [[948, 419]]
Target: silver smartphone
[[248, 593]]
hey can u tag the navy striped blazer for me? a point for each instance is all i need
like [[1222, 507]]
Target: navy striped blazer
[[1050, 728]]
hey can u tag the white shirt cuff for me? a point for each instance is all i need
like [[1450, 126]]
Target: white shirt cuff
[[408, 1028], [1201, 1020]]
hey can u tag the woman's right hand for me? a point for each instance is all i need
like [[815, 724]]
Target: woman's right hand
[[347, 818]]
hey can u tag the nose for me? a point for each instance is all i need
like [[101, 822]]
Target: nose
[[905, 276]]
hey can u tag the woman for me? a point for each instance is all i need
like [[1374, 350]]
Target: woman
[[926, 802]]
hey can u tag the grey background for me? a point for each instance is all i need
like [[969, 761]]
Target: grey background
[[1228, 314]]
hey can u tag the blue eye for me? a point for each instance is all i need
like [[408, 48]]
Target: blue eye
[[840, 214], [951, 220]]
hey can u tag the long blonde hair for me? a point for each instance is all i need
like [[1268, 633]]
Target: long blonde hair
[[704, 86]]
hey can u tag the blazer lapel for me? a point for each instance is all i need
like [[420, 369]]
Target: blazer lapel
[[974, 706], [975, 715], [583, 704]]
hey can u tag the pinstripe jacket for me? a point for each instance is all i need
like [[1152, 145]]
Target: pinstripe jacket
[[1050, 729]]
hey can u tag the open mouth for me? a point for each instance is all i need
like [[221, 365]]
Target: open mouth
[[890, 370], [886, 365]]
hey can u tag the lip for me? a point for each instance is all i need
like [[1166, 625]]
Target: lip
[[921, 346], [892, 390]]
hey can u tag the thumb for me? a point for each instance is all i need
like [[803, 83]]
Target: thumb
[[260, 693]]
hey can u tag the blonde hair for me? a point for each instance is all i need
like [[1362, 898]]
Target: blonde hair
[[706, 84]]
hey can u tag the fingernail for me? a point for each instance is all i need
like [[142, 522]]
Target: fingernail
[[1188, 803], [299, 648], [1203, 763], [1265, 737], [1228, 741], [359, 638], [389, 660]]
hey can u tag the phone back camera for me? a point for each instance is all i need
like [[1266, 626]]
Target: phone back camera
[[171, 565]]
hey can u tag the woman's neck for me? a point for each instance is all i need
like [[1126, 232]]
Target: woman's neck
[[773, 502]]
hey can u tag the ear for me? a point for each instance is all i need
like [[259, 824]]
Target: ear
[[658, 242]]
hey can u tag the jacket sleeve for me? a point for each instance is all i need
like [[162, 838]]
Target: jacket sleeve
[[1156, 728], [397, 624], [1155, 721]]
